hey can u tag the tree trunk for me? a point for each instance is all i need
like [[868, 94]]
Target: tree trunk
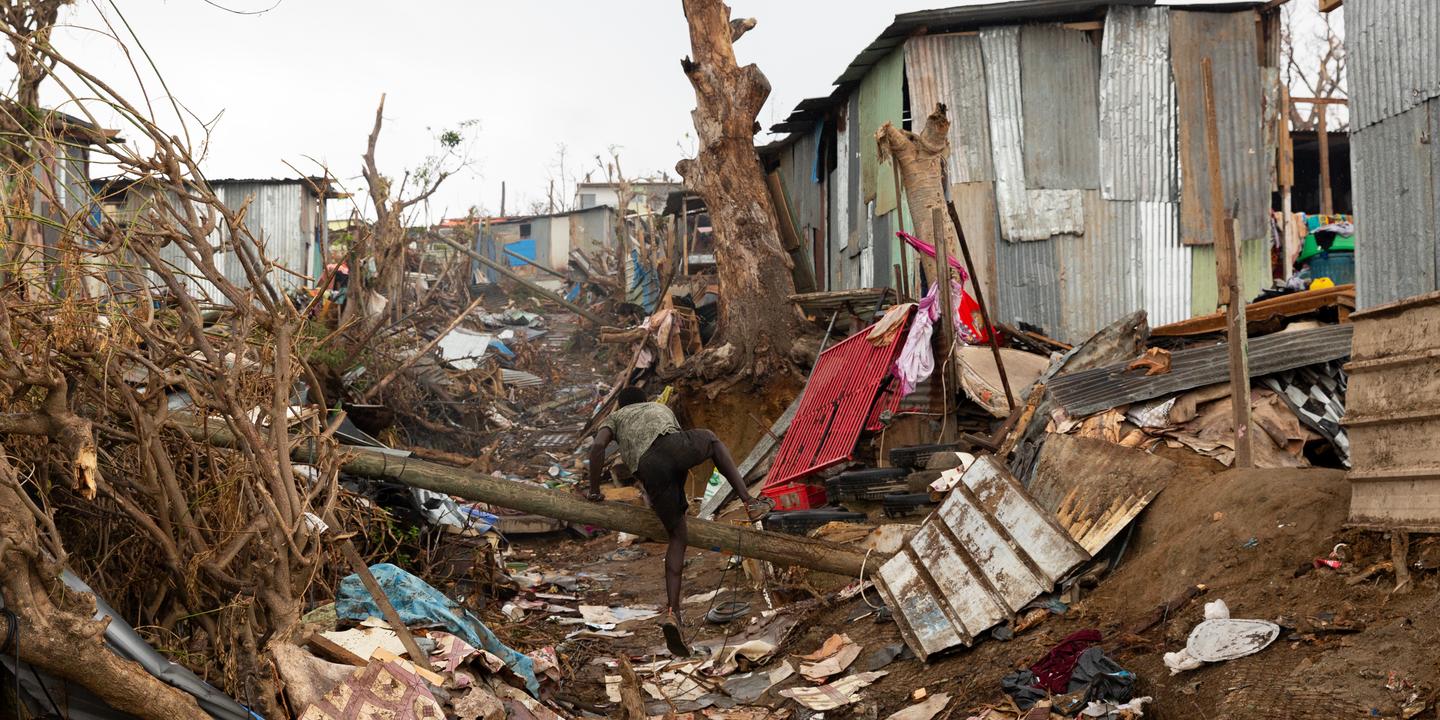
[[920, 157], [57, 630], [772, 547], [757, 321]]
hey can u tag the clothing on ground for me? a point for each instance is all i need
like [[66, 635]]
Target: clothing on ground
[[1052, 672], [635, 428]]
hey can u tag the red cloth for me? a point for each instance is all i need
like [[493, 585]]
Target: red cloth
[[1052, 672]]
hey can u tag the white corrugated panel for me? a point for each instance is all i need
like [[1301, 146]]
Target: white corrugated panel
[[1137, 107], [1165, 277], [1024, 214], [950, 69]]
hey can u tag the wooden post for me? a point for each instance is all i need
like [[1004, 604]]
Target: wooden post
[[904, 286], [1286, 176], [1227, 264], [1327, 201], [947, 303], [507, 272], [980, 300], [382, 601]]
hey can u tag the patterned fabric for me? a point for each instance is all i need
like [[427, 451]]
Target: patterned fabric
[[378, 691], [636, 426]]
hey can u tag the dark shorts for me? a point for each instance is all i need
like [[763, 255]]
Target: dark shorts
[[664, 467]]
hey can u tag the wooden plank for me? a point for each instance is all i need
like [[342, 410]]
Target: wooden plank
[[1330, 5], [1227, 268], [430, 676], [335, 651], [1264, 311], [377, 593], [1327, 198]]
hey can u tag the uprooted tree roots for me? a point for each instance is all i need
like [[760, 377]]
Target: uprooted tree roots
[[113, 339]]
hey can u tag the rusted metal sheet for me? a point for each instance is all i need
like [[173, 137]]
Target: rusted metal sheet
[[1090, 391], [1137, 107], [1060, 97], [1228, 39], [1028, 285], [950, 69], [1025, 213], [1392, 50], [1095, 487], [976, 562], [1393, 416], [838, 401], [1397, 206]]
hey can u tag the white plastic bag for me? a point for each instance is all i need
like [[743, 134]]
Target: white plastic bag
[[1217, 610]]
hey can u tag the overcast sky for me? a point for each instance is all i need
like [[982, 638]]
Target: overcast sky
[[299, 83]]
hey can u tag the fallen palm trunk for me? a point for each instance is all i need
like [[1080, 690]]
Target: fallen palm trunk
[[771, 547]]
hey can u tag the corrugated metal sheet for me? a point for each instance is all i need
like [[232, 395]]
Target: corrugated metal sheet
[[1229, 40], [1028, 285], [837, 401], [950, 69], [975, 204], [1060, 99], [978, 560], [1090, 391], [1204, 289], [882, 100], [1137, 107], [1101, 272], [1024, 214], [1396, 172], [1393, 57], [1166, 275], [797, 168], [274, 216]]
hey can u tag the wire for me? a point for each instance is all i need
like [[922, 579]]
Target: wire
[[863, 563]]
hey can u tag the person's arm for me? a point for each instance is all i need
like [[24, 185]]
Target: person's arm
[[597, 461]]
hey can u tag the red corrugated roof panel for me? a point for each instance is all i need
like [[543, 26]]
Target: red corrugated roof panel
[[838, 402]]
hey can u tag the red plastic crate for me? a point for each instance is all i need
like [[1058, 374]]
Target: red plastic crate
[[795, 496]]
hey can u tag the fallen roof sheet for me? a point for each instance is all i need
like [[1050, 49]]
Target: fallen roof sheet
[[838, 402], [1090, 391], [976, 562], [1096, 487]]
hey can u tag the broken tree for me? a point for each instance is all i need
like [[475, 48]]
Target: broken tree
[[921, 158], [757, 323]]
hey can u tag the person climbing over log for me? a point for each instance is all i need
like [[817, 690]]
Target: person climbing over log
[[660, 454]]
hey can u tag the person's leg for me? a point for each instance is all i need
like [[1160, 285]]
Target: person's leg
[[675, 565], [720, 455]]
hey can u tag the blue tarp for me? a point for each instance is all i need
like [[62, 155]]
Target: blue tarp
[[644, 284], [524, 247], [420, 604]]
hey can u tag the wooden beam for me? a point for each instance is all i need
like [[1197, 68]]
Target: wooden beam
[[980, 299], [1227, 269], [1330, 5], [1321, 101], [1327, 198], [382, 601], [778, 548], [507, 272], [946, 359]]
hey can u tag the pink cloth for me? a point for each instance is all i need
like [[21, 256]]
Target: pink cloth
[[917, 361], [929, 250]]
